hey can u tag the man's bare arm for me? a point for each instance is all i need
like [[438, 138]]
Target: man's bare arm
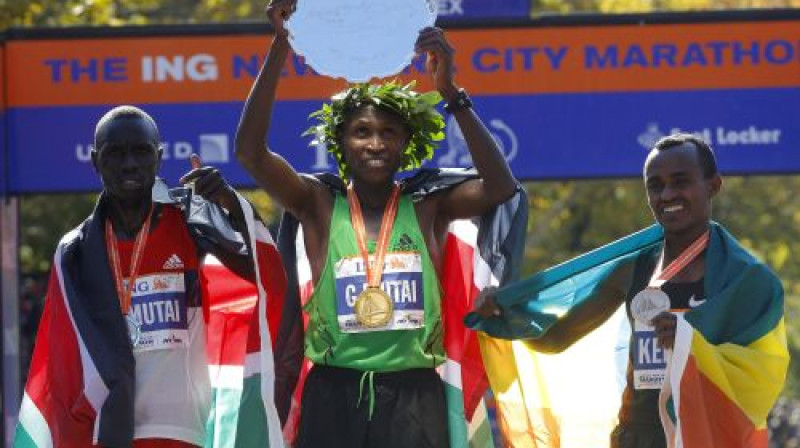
[[271, 171], [497, 184], [579, 322], [586, 317]]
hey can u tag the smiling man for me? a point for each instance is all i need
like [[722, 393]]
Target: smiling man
[[707, 355], [375, 332]]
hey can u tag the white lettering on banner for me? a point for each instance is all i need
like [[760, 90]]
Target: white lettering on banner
[[718, 136], [199, 68], [83, 153], [213, 148], [458, 153], [749, 136], [323, 160], [177, 151], [704, 134], [449, 7]]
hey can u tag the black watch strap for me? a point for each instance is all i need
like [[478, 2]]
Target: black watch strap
[[461, 101]]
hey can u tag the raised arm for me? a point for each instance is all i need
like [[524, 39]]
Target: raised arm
[[271, 171], [497, 183]]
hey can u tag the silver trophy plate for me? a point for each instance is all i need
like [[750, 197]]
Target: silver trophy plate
[[359, 39]]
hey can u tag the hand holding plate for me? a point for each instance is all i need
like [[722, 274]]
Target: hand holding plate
[[278, 12], [439, 64]]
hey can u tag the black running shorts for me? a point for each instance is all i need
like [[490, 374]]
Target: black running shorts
[[409, 409]]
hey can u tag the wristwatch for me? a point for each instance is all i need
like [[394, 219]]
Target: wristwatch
[[461, 101]]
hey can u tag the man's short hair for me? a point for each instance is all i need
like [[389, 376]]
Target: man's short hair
[[124, 112], [708, 161]]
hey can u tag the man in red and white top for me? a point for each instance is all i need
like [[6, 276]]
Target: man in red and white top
[[125, 362]]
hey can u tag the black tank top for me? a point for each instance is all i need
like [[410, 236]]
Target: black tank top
[[640, 407]]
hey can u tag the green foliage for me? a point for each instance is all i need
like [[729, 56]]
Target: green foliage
[[417, 110], [265, 206], [569, 218], [629, 6], [24, 13], [44, 219]]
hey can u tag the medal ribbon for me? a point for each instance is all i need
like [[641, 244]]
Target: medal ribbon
[[658, 279], [681, 261], [125, 294], [375, 272]]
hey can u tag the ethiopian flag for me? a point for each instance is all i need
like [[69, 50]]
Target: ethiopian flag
[[730, 357]]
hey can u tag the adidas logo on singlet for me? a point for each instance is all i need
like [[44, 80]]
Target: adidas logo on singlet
[[173, 262], [405, 244]]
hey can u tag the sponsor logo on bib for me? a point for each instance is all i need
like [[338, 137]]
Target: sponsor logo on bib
[[159, 308]]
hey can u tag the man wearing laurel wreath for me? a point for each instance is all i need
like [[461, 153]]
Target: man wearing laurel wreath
[[374, 331], [707, 355], [120, 356]]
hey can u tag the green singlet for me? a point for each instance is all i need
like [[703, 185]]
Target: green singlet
[[413, 337]]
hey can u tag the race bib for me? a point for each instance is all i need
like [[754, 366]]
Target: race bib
[[649, 360], [159, 308], [401, 280]]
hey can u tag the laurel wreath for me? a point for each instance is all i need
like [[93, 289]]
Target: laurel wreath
[[417, 110]]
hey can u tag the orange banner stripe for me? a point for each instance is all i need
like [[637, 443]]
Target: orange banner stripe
[[498, 61]]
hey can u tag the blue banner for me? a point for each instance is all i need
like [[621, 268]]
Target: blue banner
[[548, 136], [563, 102], [475, 9]]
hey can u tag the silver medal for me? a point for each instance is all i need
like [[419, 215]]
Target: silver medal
[[134, 330], [647, 304]]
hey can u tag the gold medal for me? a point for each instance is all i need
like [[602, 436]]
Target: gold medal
[[373, 308]]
